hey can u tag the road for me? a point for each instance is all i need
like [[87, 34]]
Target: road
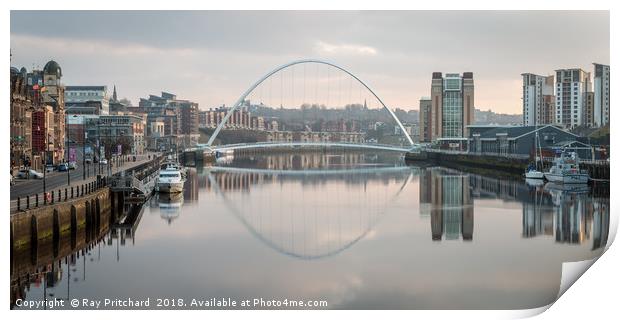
[[55, 180]]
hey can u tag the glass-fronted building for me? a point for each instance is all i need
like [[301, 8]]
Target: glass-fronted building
[[452, 109]]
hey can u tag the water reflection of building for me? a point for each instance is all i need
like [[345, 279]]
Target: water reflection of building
[[445, 195], [190, 189], [570, 214], [309, 160], [235, 181], [600, 223], [537, 219], [579, 217]]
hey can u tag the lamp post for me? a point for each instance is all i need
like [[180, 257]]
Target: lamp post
[[84, 150], [47, 150], [44, 167], [67, 158], [99, 144]]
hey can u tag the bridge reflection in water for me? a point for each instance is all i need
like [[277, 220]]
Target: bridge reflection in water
[[327, 204]]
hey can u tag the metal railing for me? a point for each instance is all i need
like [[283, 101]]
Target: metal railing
[[58, 195]]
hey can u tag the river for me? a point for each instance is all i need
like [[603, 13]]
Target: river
[[354, 230]]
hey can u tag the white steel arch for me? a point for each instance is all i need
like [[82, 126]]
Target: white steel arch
[[284, 66]]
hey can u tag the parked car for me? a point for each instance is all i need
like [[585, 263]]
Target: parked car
[[50, 168], [88, 160], [63, 167], [29, 174], [104, 161], [72, 165]]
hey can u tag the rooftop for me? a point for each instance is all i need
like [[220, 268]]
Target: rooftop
[[86, 88], [516, 131]]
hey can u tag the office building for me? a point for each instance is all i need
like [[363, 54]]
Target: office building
[[452, 108]]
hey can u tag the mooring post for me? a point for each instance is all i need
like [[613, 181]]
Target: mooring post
[[72, 192], [66, 194], [36, 198], [52, 196]]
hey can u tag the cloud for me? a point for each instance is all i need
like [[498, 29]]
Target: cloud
[[211, 57], [62, 45], [324, 48]]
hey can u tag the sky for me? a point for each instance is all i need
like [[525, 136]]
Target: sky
[[212, 57]]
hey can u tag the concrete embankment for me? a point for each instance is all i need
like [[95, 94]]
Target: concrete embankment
[[49, 222], [495, 164], [503, 165]]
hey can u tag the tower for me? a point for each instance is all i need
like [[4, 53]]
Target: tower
[[114, 96], [452, 106]]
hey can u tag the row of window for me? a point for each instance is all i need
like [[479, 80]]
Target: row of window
[[82, 94]]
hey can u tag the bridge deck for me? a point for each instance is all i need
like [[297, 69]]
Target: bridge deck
[[300, 144]]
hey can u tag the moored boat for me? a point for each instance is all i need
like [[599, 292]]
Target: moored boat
[[565, 169], [532, 171], [171, 179]]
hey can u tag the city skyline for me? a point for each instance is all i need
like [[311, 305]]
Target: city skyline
[[207, 58]]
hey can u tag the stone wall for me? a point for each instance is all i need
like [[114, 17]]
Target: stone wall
[[50, 221]]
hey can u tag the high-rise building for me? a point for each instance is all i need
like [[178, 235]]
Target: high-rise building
[[601, 95], [589, 111], [537, 99], [570, 99], [452, 107], [425, 119]]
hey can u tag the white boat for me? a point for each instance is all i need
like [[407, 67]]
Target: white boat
[[532, 172], [171, 179], [565, 169], [534, 182]]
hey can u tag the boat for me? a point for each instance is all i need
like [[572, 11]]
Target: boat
[[565, 169], [171, 178], [532, 171], [534, 182]]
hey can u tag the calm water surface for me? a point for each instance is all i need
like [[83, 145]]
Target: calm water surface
[[358, 230]]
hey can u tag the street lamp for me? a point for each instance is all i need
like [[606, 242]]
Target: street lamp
[[47, 150], [99, 144], [67, 158], [84, 150]]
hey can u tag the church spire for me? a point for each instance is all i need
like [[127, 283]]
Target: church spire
[[114, 97]]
